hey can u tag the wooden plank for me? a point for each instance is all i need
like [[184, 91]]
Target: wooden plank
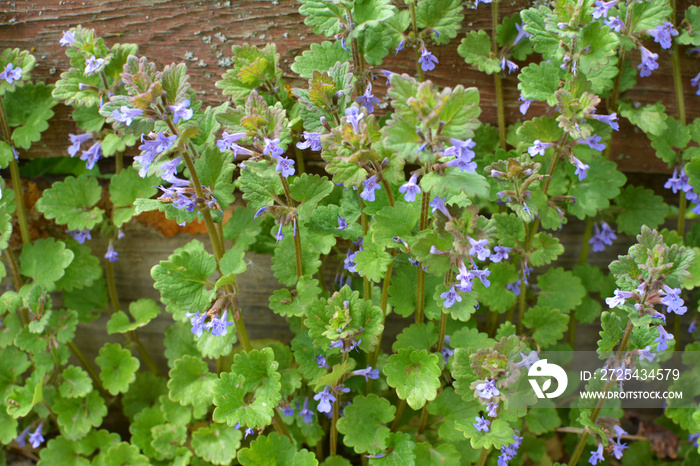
[[166, 30]]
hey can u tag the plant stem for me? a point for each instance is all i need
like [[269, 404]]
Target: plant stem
[[399, 414], [414, 26], [599, 406], [14, 174], [112, 288], [301, 165], [483, 457], [89, 368], [334, 428], [420, 280], [278, 423], [500, 107], [144, 354], [16, 278], [366, 285], [297, 236], [118, 162], [680, 105], [423, 419]]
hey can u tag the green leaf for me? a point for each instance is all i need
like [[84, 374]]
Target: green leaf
[[28, 110], [171, 212], [509, 228], [88, 118], [544, 418], [649, 118], [118, 368], [286, 304], [322, 16], [217, 443], [142, 311], [123, 453], [215, 170], [363, 423], [603, 46], [309, 190], [545, 249], [455, 181], [539, 81], [649, 14], [415, 375], [113, 143], [417, 336], [83, 270], [183, 279], [443, 16], [690, 35], [541, 23], [252, 372], [284, 259], [476, 51], [189, 379], [401, 451], [392, 221], [372, 262], [6, 155], [500, 433], [320, 57], [496, 297], [88, 301], [71, 202], [640, 206], [124, 189], [76, 383], [560, 289], [274, 449], [45, 260], [147, 388], [444, 454], [675, 136], [602, 183], [19, 59], [549, 324], [77, 416], [241, 228], [60, 450], [166, 440]]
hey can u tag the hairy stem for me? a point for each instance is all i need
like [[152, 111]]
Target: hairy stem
[[301, 165], [297, 235], [89, 368], [483, 457], [278, 423], [399, 414], [414, 27], [420, 280], [680, 105], [500, 106], [14, 174]]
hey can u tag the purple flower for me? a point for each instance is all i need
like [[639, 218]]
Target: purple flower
[[618, 448], [164, 142], [228, 142], [126, 115], [618, 299], [692, 327], [368, 373], [525, 104], [511, 66], [538, 147], [648, 63], [673, 300], [313, 141], [400, 46], [77, 140], [111, 254], [487, 389], [353, 116], [11, 75], [481, 275], [481, 424], [370, 185], [387, 74], [306, 414], [197, 322], [349, 262], [342, 224], [662, 339], [367, 100], [594, 142], [92, 155], [695, 82], [694, 438], [464, 154], [602, 236], [596, 455], [476, 4], [677, 182], [439, 204], [427, 60], [581, 169], [451, 297], [500, 253], [528, 359], [662, 34], [67, 39], [410, 189], [479, 248], [260, 212], [609, 119], [271, 148], [287, 411], [601, 8], [36, 438], [181, 111], [521, 33], [80, 235], [614, 23], [169, 169], [93, 64], [284, 165], [465, 279], [279, 236], [321, 361], [248, 431], [219, 327], [21, 439], [491, 408], [325, 400], [508, 452], [647, 354]]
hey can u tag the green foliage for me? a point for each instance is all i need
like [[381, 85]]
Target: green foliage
[[363, 423], [415, 376], [118, 368], [28, 110], [45, 261], [72, 202], [274, 449], [639, 206]]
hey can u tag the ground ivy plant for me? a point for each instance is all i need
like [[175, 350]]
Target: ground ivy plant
[[421, 211]]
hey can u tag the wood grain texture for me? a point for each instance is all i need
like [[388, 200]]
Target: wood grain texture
[[166, 30]]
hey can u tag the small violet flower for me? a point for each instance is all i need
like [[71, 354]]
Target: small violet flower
[[500, 253], [111, 254], [219, 327], [21, 439], [92, 155], [370, 185], [451, 297], [353, 116], [522, 33], [67, 39], [481, 424], [596, 455], [511, 65], [306, 414], [410, 189], [538, 147], [287, 411], [618, 299], [321, 361], [427, 60], [342, 224], [368, 373], [673, 300], [479, 248], [648, 63], [487, 389], [284, 165], [126, 115], [228, 142], [662, 339], [11, 74], [662, 34], [93, 64], [36, 438], [695, 82], [594, 142], [647, 354], [601, 8], [80, 235], [367, 100], [609, 119], [603, 235], [271, 148], [615, 24], [325, 400], [581, 169], [528, 359], [464, 154], [312, 141], [439, 204], [491, 408], [181, 111], [525, 104], [77, 140], [618, 449]]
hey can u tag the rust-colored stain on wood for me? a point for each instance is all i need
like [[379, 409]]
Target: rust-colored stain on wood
[[169, 30]]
